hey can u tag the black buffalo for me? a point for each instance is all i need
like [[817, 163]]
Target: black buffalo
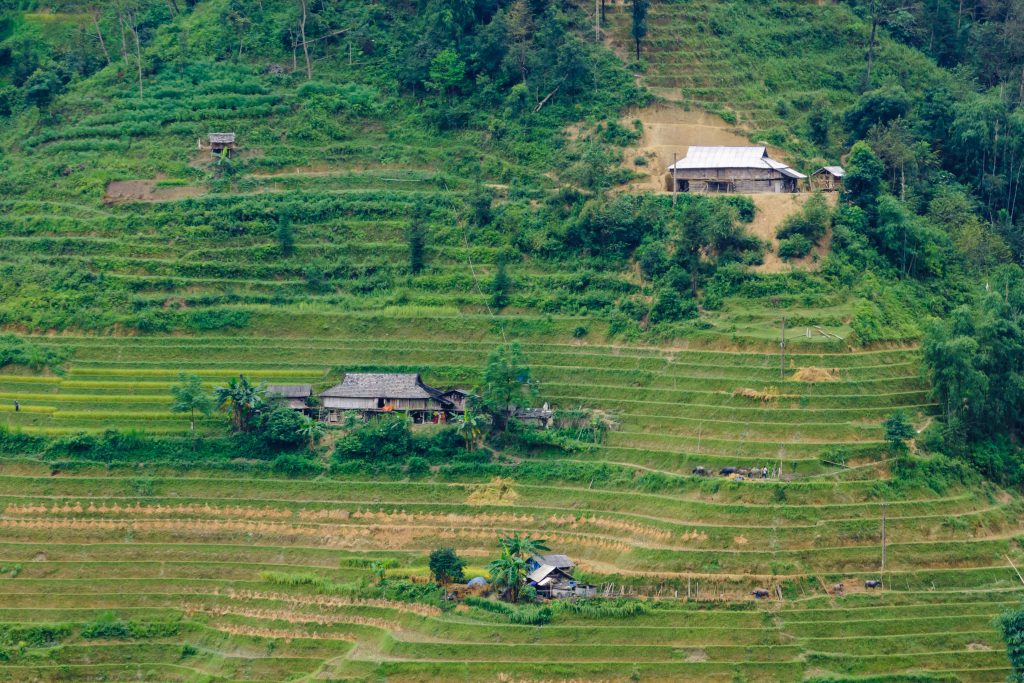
[[726, 471], [760, 593], [872, 583]]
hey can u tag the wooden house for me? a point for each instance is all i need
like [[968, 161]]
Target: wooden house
[[219, 142], [372, 393], [828, 178], [295, 396], [732, 169], [458, 398], [552, 576]]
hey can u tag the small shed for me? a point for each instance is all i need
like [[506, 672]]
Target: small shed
[[731, 169], [828, 178], [535, 417], [552, 576], [457, 397], [295, 396], [378, 392], [219, 142]]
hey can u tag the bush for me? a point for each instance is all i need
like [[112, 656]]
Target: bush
[[280, 428], [417, 467], [385, 437], [796, 246], [295, 465]]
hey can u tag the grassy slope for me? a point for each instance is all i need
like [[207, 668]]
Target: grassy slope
[[160, 546]]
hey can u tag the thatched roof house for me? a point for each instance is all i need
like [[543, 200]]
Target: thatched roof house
[[379, 392], [295, 395]]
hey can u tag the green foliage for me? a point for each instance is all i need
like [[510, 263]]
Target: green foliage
[[507, 385], [862, 183], [445, 566], [638, 24], [293, 465], [285, 234], [1011, 624], [15, 350], [501, 286], [795, 247], [190, 397], [242, 400], [898, 430], [385, 437]]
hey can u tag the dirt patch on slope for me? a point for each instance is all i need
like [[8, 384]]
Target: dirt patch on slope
[[147, 191], [772, 210], [670, 129]]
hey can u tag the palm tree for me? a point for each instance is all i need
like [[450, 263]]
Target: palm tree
[[522, 546], [312, 430], [507, 573], [471, 428], [242, 398]]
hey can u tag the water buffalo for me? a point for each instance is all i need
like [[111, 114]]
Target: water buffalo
[[743, 471], [760, 593], [726, 471], [700, 471], [872, 583], [839, 589]]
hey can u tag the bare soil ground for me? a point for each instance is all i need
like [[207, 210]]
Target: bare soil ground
[[772, 210], [147, 191], [670, 129]]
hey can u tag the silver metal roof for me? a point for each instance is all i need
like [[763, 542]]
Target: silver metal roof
[[732, 157], [380, 385], [837, 171]]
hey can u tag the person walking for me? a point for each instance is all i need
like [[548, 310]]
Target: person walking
[[17, 407]]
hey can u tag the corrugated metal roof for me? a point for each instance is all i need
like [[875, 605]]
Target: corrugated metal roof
[[380, 385], [837, 171], [732, 157], [290, 390]]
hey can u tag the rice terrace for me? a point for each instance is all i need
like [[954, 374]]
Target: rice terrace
[[511, 340]]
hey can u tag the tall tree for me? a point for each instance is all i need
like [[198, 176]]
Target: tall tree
[[638, 27], [241, 399], [416, 236], [285, 234], [507, 385], [445, 566], [508, 573], [1011, 623], [190, 397]]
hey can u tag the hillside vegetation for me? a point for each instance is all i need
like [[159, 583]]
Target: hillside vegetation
[[420, 183]]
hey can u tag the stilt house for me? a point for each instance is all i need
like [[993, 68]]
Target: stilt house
[[371, 393]]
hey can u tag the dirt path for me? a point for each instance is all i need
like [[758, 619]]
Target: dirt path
[[147, 191]]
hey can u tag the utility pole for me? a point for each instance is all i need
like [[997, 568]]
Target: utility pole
[[881, 574], [675, 182], [782, 350]]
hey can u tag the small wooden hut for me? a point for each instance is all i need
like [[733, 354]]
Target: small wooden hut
[[828, 178], [295, 396], [219, 142]]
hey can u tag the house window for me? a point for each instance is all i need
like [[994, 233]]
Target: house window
[[719, 186], [380, 402]]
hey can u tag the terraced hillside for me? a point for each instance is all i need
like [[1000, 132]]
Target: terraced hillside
[[256, 575], [764, 66]]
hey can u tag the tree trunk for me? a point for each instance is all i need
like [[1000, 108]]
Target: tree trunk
[[871, 42], [305, 45], [138, 48], [103, 44]]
